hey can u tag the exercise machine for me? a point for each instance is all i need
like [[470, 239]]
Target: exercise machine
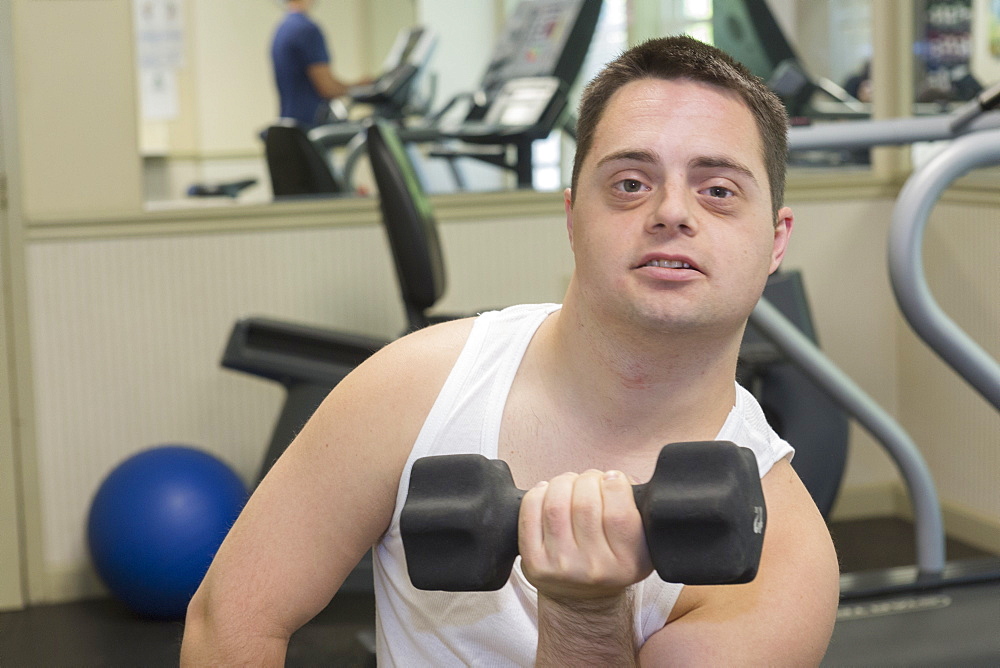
[[296, 165], [395, 94], [309, 361], [935, 612], [524, 92], [748, 31], [299, 158], [521, 97]]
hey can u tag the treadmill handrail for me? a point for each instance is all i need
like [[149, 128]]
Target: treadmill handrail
[[906, 270], [928, 524], [888, 132]]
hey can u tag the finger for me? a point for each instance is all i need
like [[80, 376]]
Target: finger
[[530, 536], [622, 523], [557, 523], [587, 514]]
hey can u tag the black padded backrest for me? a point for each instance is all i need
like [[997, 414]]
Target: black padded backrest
[[297, 167], [409, 223], [801, 412]]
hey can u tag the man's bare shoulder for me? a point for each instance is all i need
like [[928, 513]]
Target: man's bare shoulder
[[431, 350], [406, 375]]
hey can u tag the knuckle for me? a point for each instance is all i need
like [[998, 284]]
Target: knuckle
[[555, 510], [587, 505], [621, 515], [619, 523]]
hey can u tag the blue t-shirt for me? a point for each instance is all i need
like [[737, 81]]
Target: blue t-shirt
[[298, 43]]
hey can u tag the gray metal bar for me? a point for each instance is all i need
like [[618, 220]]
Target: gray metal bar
[[985, 101], [865, 134], [906, 270], [928, 524], [354, 150]]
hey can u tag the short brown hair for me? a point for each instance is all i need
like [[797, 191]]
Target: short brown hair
[[682, 57]]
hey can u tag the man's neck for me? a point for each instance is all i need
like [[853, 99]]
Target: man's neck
[[677, 385]]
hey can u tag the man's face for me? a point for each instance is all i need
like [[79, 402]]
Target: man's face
[[671, 226]]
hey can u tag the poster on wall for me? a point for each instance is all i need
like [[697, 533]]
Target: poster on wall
[[158, 94], [944, 50], [159, 48]]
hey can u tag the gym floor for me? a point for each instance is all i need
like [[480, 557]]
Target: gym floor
[[104, 633]]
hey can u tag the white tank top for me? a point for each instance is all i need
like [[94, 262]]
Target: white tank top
[[500, 628]]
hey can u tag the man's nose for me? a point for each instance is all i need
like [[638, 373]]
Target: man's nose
[[674, 211]]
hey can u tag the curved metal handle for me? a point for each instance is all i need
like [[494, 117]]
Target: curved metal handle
[[906, 270]]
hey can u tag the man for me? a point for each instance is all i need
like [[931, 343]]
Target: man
[[302, 67], [675, 222]]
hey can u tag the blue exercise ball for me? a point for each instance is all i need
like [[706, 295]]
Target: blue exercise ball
[[157, 521]]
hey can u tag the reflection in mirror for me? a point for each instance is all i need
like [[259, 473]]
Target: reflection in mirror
[[207, 88], [476, 120], [485, 98], [520, 98]]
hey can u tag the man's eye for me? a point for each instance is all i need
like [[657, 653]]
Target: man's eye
[[631, 185], [719, 191]]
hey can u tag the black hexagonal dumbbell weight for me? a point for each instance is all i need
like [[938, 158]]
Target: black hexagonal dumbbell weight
[[702, 511]]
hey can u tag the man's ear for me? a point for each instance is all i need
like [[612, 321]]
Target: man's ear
[[782, 232], [568, 206]]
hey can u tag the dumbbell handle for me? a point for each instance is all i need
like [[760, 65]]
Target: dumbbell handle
[[471, 505]]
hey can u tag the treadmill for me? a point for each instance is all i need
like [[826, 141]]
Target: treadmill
[[936, 612], [391, 94], [521, 97]]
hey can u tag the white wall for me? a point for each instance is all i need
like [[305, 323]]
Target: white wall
[[77, 107]]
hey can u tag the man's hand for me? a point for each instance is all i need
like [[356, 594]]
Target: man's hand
[[582, 545], [581, 536]]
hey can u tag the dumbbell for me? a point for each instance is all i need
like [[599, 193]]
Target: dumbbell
[[702, 512]]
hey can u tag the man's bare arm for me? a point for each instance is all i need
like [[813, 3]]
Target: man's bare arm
[[784, 617], [582, 546], [327, 85], [325, 502]]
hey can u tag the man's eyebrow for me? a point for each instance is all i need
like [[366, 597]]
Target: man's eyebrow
[[701, 162], [721, 162], [630, 154]]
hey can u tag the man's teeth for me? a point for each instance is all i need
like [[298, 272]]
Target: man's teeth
[[672, 264]]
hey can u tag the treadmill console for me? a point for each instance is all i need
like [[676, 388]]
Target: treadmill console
[[522, 102], [542, 38], [408, 56]]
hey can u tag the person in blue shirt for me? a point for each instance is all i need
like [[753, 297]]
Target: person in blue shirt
[[302, 72]]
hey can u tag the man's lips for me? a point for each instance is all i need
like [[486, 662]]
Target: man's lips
[[668, 262]]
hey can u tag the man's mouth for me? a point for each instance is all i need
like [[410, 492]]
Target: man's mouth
[[669, 264]]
